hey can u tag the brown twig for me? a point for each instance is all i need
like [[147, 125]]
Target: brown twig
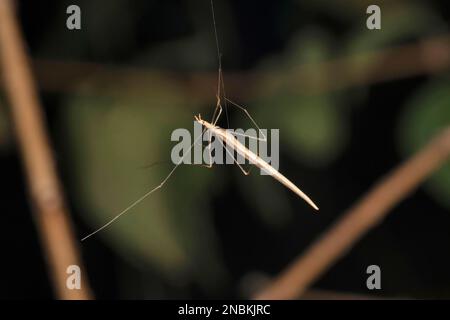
[[367, 213], [50, 212], [427, 56]]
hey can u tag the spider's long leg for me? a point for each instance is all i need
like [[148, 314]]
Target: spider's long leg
[[235, 160], [135, 203], [264, 138]]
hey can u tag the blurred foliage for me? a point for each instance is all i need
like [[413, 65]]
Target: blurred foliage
[[100, 22], [111, 141], [312, 125], [397, 19], [428, 112]]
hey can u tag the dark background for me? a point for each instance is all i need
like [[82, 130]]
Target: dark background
[[411, 245]]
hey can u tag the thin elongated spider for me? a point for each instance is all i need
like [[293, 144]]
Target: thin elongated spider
[[226, 138]]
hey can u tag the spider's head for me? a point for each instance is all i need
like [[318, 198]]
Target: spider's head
[[204, 123], [199, 119]]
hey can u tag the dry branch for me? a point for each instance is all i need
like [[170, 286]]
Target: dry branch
[[358, 220], [426, 56], [50, 212]]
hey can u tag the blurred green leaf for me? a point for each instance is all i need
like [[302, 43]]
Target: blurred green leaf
[[428, 112], [396, 26], [313, 126], [110, 141]]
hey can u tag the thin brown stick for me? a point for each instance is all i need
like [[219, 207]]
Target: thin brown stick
[[367, 213], [426, 56], [50, 212]]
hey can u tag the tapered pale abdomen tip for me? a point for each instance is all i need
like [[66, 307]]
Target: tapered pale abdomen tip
[[312, 204]]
